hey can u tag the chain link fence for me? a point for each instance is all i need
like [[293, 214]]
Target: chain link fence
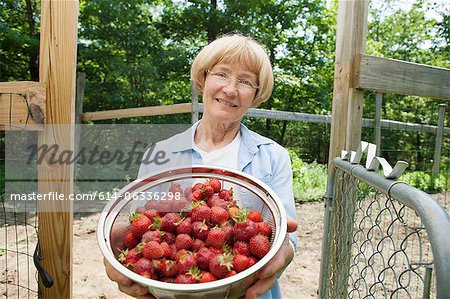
[[383, 239]]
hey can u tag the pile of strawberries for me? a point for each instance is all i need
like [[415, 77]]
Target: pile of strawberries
[[208, 239]]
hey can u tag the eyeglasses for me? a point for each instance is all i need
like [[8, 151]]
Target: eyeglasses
[[242, 84]]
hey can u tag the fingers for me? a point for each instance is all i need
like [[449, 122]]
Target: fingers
[[291, 225], [260, 287], [115, 275]]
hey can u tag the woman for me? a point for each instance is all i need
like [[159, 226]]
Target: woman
[[233, 74]]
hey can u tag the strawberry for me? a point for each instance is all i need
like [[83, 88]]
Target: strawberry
[[152, 250], [207, 277], [145, 268], [220, 265], [151, 213], [208, 191], [151, 235], [227, 229], [240, 262], [139, 224], [130, 240], [226, 194], [259, 246], [218, 215], [128, 257], [241, 247], [185, 227], [176, 188], [264, 229], [231, 273], [169, 222], [252, 260], [216, 201], [198, 186], [215, 184], [216, 238], [186, 260], [255, 216], [197, 244], [168, 237], [183, 241], [169, 268], [200, 230], [197, 195], [244, 228], [203, 256], [200, 213], [193, 275], [233, 212]]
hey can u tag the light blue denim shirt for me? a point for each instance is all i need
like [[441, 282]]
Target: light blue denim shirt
[[258, 156]]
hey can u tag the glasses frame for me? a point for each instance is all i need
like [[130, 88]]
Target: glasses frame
[[229, 79]]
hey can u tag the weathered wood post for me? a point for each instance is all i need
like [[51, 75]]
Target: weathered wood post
[[438, 142], [57, 71]]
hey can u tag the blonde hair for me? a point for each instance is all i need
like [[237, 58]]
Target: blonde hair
[[235, 49]]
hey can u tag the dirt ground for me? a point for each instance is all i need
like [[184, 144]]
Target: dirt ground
[[90, 281]]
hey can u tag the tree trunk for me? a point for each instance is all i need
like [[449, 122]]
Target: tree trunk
[[34, 53], [212, 21]]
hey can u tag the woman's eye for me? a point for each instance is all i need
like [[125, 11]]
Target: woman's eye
[[244, 82], [222, 75]]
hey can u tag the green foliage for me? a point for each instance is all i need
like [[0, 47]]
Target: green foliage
[[309, 179], [426, 182]]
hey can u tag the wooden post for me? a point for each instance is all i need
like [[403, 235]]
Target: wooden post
[[378, 106], [58, 53], [438, 144], [347, 101]]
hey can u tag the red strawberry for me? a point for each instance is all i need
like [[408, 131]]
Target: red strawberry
[[197, 195], [183, 241], [231, 273], [186, 260], [188, 192], [129, 256], [216, 201], [151, 213], [207, 277], [215, 184], [241, 247], [259, 246], [220, 265], [208, 191], [200, 213], [139, 224], [130, 240], [203, 256], [198, 186], [227, 229], [176, 188], [145, 268], [152, 250], [216, 238], [169, 268], [151, 235], [218, 215], [200, 230], [244, 229], [264, 228], [168, 237], [185, 227], [197, 244], [193, 275], [168, 279], [169, 222], [252, 260], [226, 194], [255, 216], [240, 262]]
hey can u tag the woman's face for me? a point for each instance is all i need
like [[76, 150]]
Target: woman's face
[[228, 92]]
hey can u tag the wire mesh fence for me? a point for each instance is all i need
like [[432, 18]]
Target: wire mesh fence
[[18, 240], [377, 247]]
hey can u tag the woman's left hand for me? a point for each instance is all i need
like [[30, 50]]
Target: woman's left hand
[[268, 274]]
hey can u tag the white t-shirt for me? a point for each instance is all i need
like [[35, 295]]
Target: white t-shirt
[[226, 156]]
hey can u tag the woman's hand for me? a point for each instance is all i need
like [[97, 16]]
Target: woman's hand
[[268, 274], [125, 284]]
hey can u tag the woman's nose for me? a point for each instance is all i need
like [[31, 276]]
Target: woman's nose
[[231, 88]]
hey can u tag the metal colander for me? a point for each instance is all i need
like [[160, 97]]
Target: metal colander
[[249, 193]]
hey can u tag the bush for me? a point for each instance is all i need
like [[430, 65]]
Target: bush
[[310, 180], [426, 182]]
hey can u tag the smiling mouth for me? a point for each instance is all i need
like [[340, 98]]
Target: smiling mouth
[[226, 103]]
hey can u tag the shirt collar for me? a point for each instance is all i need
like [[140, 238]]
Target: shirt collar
[[185, 140]]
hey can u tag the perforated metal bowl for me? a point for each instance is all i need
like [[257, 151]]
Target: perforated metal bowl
[[249, 193]]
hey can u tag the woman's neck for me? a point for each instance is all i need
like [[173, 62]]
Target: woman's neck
[[213, 135]]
